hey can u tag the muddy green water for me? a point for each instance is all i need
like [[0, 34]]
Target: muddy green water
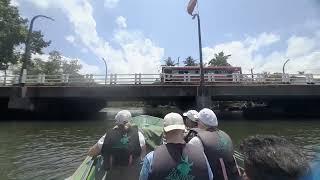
[[53, 150]]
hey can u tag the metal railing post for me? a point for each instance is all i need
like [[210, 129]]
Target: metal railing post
[[135, 78], [62, 78], [91, 79], [115, 78], [234, 78], [24, 76], [5, 78], [209, 77], [66, 78], [111, 78], [39, 78], [43, 78], [139, 78]]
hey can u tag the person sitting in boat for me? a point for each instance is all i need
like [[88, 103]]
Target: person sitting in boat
[[269, 157], [175, 159], [216, 144], [122, 145], [191, 119]]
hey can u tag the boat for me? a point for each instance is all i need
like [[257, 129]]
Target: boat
[[151, 127]]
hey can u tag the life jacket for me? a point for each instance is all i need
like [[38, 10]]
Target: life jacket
[[120, 147], [178, 161], [218, 148]]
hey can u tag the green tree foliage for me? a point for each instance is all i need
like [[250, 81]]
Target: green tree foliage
[[190, 61], [55, 65], [38, 43], [169, 62], [220, 59], [13, 33]]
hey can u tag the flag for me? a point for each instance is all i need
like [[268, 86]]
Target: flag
[[192, 4]]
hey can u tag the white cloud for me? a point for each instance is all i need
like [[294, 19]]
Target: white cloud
[[111, 3], [136, 53], [121, 22], [302, 51], [262, 40], [298, 46], [14, 3], [43, 3], [70, 39]]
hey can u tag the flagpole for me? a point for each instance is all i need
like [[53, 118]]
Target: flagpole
[[200, 54]]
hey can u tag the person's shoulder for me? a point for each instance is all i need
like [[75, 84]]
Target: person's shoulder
[[223, 134], [149, 157], [194, 139]]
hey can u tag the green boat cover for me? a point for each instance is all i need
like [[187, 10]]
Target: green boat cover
[[151, 127]]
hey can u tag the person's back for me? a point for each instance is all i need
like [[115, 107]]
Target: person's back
[[121, 148], [216, 144], [178, 161], [175, 160], [268, 157]]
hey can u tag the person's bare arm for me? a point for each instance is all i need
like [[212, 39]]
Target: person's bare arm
[[94, 151], [143, 152]]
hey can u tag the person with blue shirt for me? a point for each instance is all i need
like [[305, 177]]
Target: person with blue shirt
[[175, 159]]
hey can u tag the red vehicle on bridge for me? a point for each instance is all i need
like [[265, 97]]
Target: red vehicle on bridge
[[191, 74]]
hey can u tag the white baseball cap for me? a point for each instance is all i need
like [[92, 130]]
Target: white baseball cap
[[192, 115], [173, 121], [208, 117], [123, 117]]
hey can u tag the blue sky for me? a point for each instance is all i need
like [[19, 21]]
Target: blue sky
[[136, 35]]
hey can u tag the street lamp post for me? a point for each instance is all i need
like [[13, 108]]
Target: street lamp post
[[27, 55], [106, 75], [284, 65], [200, 54], [251, 70]]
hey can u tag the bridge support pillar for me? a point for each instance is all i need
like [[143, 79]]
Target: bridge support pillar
[[203, 102], [18, 100]]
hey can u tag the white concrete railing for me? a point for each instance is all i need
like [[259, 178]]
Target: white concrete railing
[[137, 79]]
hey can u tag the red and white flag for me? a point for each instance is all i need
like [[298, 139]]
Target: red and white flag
[[192, 4]]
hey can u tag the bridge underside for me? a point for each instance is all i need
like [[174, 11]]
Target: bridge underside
[[144, 92], [88, 100]]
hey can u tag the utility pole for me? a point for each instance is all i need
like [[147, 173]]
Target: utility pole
[[27, 54]]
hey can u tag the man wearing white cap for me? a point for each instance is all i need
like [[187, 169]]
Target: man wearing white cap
[[122, 145], [176, 159], [216, 144], [191, 118]]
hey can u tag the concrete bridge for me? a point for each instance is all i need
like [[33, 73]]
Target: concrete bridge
[[90, 93]]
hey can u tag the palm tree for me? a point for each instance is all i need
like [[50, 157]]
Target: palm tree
[[220, 59], [190, 61], [169, 62]]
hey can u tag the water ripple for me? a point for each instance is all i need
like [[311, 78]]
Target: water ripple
[[54, 150]]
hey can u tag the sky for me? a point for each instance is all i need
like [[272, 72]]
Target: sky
[[135, 36]]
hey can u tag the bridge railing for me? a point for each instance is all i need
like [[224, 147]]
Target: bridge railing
[[138, 79]]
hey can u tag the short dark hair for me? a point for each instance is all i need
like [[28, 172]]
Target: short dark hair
[[268, 157]]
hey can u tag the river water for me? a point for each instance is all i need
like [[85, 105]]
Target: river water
[[54, 150]]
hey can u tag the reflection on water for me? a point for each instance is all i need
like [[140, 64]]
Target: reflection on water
[[53, 150]]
